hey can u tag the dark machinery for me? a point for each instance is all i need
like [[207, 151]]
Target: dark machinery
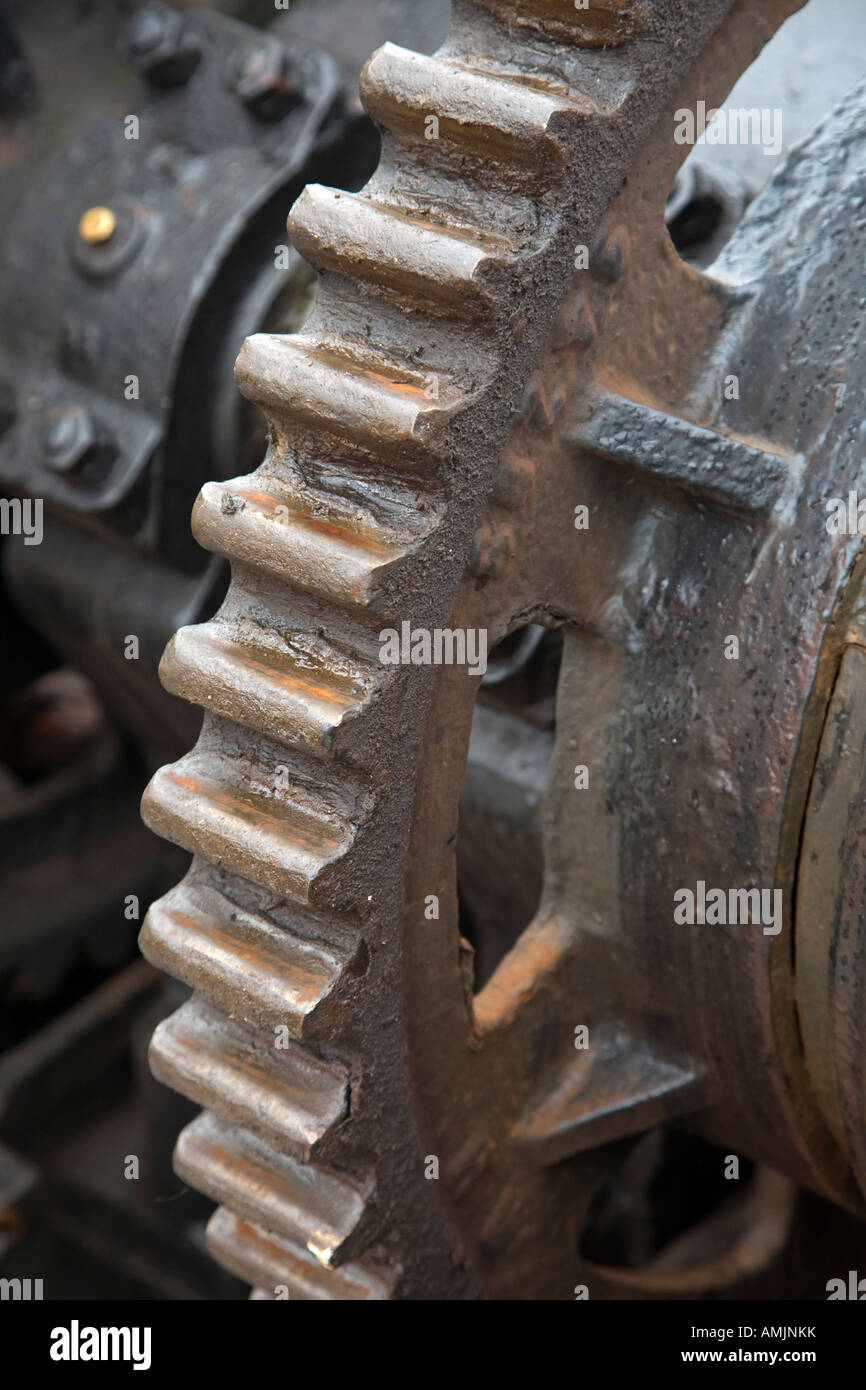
[[148, 161], [540, 982]]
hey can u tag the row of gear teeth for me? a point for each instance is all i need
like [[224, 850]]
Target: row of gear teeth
[[476, 177]]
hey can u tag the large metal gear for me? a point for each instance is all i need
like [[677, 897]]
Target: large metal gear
[[375, 1126]]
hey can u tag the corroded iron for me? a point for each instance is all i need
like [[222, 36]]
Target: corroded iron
[[459, 391]]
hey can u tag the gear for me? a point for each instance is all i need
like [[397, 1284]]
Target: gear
[[413, 477]]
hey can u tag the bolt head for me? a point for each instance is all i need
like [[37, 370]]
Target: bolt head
[[67, 437], [146, 30], [162, 46], [264, 81], [97, 225]]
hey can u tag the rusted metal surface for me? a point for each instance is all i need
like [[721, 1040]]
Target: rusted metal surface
[[829, 941], [383, 500], [700, 766]]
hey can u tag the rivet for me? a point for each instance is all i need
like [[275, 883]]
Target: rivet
[[97, 225]]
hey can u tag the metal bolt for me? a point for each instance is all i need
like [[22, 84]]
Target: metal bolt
[[97, 225], [147, 30], [162, 46], [67, 438], [264, 82]]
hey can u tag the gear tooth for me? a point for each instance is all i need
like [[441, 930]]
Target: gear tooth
[[502, 118], [272, 1263], [356, 398], [276, 840], [285, 1096], [279, 685], [259, 523], [305, 1204], [417, 262], [241, 962]]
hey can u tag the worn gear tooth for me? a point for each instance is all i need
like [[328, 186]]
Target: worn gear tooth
[[417, 261], [289, 686], [241, 962], [501, 119], [722, 469], [303, 1203], [604, 23], [356, 399], [286, 1096], [258, 523], [277, 840], [271, 1263]]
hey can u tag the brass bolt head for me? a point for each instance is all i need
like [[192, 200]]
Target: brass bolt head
[[96, 226]]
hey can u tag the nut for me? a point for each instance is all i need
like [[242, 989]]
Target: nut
[[162, 46], [264, 81], [67, 438]]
